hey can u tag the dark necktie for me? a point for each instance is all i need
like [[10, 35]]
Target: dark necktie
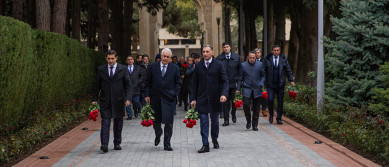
[[163, 70], [111, 72], [207, 64], [130, 69], [275, 62]]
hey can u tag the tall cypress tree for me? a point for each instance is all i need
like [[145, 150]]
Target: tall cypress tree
[[354, 57]]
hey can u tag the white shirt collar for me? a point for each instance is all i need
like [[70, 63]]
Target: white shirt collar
[[210, 61], [163, 65], [114, 66], [228, 55]]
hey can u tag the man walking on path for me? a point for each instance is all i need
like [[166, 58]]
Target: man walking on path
[[210, 90], [260, 58], [233, 65], [137, 76], [251, 81], [277, 68], [162, 87], [114, 86]]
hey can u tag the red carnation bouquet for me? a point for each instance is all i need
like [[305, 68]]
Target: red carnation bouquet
[[94, 111], [264, 94], [146, 115], [190, 118], [238, 100], [185, 65], [292, 91]]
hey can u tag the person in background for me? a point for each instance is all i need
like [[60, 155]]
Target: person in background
[[263, 101], [158, 57], [137, 76]]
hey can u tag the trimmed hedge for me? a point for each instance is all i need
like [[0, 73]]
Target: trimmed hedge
[[39, 72], [358, 128]]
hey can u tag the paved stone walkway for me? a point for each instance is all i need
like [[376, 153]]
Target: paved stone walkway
[[270, 146]]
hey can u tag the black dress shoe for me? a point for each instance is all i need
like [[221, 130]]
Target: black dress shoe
[[157, 140], [226, 123], [271, 119], [215, 144], [221, 116], [248, 125], [117, 147], [104, 148], [255, 129], [204, 149], [136, 115], [168, 148], [279, 122], [234, 119], [129, 118], [179, 105]]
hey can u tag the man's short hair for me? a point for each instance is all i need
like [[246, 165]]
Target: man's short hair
[[196, 56], [226, 43], [257, 49], [145, 55], [210, 46], [275, 46], [251, 52], [129, 56], [174, 57], [167, 50], [137, 56], [111, 52]]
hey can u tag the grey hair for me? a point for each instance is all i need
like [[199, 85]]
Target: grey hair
[[257, 49], [167, 50]]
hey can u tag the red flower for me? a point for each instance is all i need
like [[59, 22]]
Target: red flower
[[380, 122], [376, 118], [292, 94], [185, 65], [150, 122], [264, 95], [343, 135], [185, 121], [356, 115], [11, 128], [51, 117], [45, 133]]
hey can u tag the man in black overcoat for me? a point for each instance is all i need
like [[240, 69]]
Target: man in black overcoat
[[162, 87], [233, 65], [209, 91], [113, 84], [277, 68], [137, 76]]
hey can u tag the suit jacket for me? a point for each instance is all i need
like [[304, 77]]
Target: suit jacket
[[233, 68], [208, 85], [252, 79], [163, 90], [113, 92], [283, 70], [137, 79]]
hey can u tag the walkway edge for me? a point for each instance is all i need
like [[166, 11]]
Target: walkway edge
[[57, 149]]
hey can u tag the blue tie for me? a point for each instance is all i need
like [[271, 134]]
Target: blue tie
[[111, 72], [163, 70]]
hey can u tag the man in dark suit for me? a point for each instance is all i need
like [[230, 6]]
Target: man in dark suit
[[277, 68], [114, 86], [189, 73], [209, 91], [251, 81], [233, 65], [260, 58], [137, 76], [162, 88]]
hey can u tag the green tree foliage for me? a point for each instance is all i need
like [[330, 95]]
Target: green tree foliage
[[180, 18], [354, 57], [382, 94]]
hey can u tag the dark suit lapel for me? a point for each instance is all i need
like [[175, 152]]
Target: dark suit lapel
[[168, 70], [105, 70], [118, 69]]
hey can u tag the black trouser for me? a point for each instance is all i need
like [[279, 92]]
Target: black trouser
[[280, 101], [247, 102], [228, 103], [168, 133], [117, 130]]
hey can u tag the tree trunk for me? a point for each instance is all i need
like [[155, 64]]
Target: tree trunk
[[250, 31], [68, 26], [103, 30], [43, 13], [293, 52], [18, 9], [307, 39], [29, 13], [92, 24], [59, 17], [270, 27], [127, 28], [76, 19], [280, 24], [227, 19], [117, 26]]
